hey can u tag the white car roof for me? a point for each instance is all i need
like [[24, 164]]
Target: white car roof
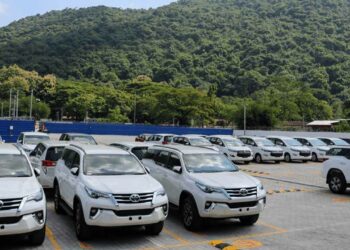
[[279, 137], [252, 137], [98, 149], [190, 136], [224, 136], [34, 133], [166, 134], [54, 143], [9, 149], [77, 134], [134, 144], [186, 149]]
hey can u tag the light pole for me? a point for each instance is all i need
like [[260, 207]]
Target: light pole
[[135, 107], [31, 105], [245, 118], [10, 103]]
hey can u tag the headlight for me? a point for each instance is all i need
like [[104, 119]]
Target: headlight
[[96, 194], [260, 186], [208, 189], [295, 150], [160, 192], [38, 196], [265, 150]]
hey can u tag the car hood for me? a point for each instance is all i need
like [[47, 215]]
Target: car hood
[[272, 148], [300, 148], [323, 148], [225, 179], [18, 187], [239, 148], [123, 184], [209, 147]]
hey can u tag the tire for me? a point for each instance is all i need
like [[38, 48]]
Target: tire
[[154, 229], [190, 216], [82, 230], [37, 238], [277, 162], [247, 162], [287, 157], [57, 200], [249, 220], [314, 157], [258, 158], [337, 182], [305, 161]]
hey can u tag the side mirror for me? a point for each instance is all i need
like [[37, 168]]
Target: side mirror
[[37, 172], [177, 169], [148, 170], [74, 171]]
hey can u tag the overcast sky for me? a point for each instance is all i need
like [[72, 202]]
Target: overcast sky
[[11, 10]]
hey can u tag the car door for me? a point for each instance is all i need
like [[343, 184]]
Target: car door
[[171, 179], [36, 157], [64, 173], [72, 179], [160, 162]]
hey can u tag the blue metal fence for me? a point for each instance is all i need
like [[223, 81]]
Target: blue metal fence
[[10, 129], [127, 129]]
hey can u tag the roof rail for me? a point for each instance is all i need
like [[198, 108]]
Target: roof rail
[[78, 146], [163, 146], [19, 148]]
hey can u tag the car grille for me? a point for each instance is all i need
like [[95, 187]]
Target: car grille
[[134, 212], [8, 204], [128, 199], [243, 154], [10, 220], [243, 204], [241, 192], [304, 153], [276, 154]]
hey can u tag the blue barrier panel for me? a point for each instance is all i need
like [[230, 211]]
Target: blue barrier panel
[[10, 129], [127, 129]]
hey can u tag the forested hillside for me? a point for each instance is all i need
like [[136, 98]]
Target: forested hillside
[[245, 48]]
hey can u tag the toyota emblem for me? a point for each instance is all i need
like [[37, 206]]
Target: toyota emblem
[[1, 203], [134, 198], [243, 192]]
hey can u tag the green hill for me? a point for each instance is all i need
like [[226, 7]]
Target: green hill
[[240, 46]]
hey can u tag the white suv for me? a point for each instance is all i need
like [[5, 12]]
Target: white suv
[[293, 149], [29, 140], [336, 170], [194, 140], [232, 147], [263, 149], [104, 186], [205, 184], [22, 200], [318, 148], [45, 157]]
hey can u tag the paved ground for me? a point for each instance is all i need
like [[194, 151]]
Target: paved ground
[[301, 214]]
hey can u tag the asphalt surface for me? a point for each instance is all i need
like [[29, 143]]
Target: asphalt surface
[[301, 213]]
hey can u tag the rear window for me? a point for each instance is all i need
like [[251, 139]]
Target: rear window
[[139, 152], [54, 153]]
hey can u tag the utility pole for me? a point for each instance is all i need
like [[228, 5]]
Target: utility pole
[[245, 118], [135, 107], [17, 104], [10, 103], [31, 105], [2, 109]]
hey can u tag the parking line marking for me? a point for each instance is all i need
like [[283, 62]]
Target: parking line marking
[[175, 236], [50, 235], [290, 190]]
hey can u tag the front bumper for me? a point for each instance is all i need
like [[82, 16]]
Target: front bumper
[[266, 156], [236, 158], [26, 222], [295, 156], [224, 210]]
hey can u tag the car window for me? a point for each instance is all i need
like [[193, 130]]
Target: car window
[[35, 139], [139, 152], [20, 138], [86, 139], [161, 159], [168, 138], [68, 157], [279, 142], [174, 160], [54, 153], [244, 140], [40, 150], [339, 152], [208, 163]]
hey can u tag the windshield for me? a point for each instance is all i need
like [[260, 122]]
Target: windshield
[[292, 142], [233, 143], [14, 166], [199, 141], [208, 163], [340, 142], [264, 142], [112, 165], [35, 139], [317, 142], [84, 139]]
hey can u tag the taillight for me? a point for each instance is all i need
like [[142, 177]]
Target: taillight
[[47, 163], [164, 142]]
